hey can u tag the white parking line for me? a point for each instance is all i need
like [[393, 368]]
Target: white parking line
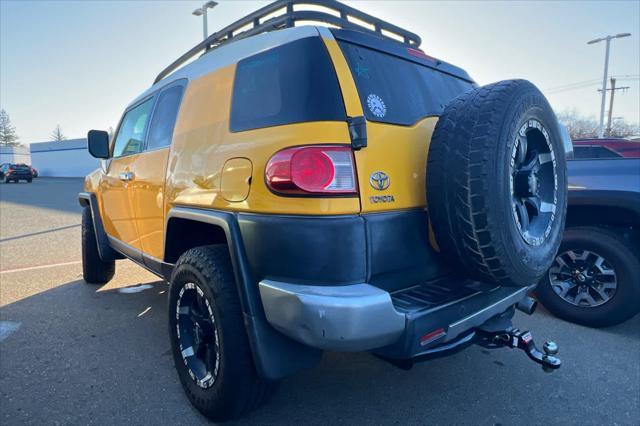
[[32, 268]]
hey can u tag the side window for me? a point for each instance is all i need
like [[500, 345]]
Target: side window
[[130, 138], [164, 118], [582, 152], [602, 152], [293, 83]]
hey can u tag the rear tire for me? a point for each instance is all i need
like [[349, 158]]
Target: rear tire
[[208, 337], [622, 264], [496, 183], [29, 180], [94, 269]]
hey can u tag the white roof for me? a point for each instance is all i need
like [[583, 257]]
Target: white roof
[[232, 52]]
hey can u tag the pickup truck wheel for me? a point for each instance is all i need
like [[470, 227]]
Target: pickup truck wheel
[[208, 337], [94, 269], [496, 183], [593, 280]]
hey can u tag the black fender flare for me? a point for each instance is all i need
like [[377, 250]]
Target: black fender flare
[[275, 355], [105, 251]]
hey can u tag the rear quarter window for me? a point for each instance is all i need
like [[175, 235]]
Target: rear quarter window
[[292, 83], [396, 90]]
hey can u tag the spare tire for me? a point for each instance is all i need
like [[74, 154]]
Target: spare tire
[[496, 183]]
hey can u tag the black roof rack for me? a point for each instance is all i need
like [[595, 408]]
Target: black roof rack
[[288, 19]]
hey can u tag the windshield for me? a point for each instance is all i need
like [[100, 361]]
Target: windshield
[[399, 91]]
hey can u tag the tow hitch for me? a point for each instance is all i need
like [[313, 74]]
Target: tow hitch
[[520, 339]]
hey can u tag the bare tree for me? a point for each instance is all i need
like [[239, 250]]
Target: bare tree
[[57, 134], [587, 127], [577, 125], [8, 136], [621, 129]]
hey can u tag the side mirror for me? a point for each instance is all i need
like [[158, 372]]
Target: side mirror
[[98, 143]]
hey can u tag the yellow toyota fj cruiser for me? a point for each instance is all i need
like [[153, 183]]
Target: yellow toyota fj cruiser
[[311, 188]]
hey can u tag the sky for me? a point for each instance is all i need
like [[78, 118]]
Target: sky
[[78, 64]]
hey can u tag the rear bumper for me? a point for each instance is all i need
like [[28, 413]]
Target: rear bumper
[[403, 324], [344, 318], [20, 176]]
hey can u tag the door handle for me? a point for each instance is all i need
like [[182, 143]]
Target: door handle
[[126, 176]]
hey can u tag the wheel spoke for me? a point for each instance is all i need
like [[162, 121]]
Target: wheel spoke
[[535, 203], [584, 295], [547, 207], [210, 358], [563, 288], [603, 294], [561, 261], [523, 215], [522, 150], [202, 306], [575, 256], [544, 158], [532, 163]]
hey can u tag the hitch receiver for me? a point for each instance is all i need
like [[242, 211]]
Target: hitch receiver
[[518, 339]]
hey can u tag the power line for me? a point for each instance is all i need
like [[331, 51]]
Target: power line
[[585, 84]]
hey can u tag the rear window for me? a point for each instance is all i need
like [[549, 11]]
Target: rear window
[[398, 91], [292, 83]]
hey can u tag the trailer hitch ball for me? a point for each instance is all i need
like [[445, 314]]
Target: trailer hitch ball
[[550, 350]]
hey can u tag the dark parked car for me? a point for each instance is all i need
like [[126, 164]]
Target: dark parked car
[[15, 172], [34, 172], [595, 279]]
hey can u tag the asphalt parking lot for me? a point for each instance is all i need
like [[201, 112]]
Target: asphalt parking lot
[[71, 353]]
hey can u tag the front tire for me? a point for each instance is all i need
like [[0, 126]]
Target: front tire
[[594, 279], [94, 269], [208, 338]]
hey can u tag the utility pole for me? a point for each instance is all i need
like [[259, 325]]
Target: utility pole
[[613, 93], [202, 11], [604, 78]]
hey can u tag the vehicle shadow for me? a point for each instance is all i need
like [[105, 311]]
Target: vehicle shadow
[[85, 354]]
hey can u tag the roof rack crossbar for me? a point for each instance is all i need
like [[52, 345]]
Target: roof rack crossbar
[[288, 19]]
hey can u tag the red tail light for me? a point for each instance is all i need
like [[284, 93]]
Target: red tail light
[[10, 170], [312, 170]]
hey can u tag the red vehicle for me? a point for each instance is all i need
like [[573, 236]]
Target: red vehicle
[[605, 148]]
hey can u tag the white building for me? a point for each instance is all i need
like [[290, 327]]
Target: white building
[[15, 154], [69, 158]]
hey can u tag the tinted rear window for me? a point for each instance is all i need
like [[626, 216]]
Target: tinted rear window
[[398, 91], [292, 83]]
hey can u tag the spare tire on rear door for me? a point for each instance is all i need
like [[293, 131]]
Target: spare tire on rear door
[[496, 183]]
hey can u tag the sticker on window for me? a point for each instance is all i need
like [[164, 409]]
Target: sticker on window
[[376, 105]]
